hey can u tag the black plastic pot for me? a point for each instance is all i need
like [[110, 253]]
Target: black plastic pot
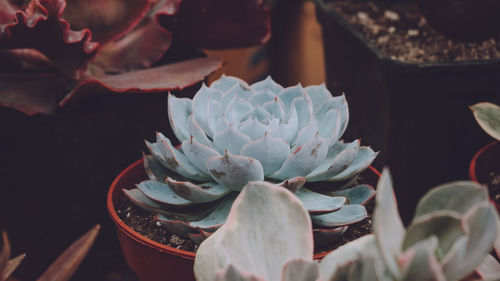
[[56, 170], [416, 114]]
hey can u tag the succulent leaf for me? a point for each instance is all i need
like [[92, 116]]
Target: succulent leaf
[[324, 236], [317, 203], [387, 225], [179, 109], [489, 269], [242, 233], [269, 151], [333, 166], [488, 117], [420, 261], [231, 273], [361, 162], [161, 193], [468, 253], [300, 270], [202, 193], [235, 171], [445, 225], [267, 84], [231, 140], [348, 214], [225, 83], [457, 196], [216, 218], [198, 154], [360, 194]]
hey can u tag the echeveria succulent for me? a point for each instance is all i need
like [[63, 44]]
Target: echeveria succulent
[[454, 229], [61, 269], [488, 117], [119, 47], [232, 133]]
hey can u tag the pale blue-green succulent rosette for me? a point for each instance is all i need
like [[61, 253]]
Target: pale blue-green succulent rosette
[[232, 133]]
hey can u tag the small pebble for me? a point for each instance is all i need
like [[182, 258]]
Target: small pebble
[[391, 15], [391, 29], [128, 215], [413, 32], [158, 223]]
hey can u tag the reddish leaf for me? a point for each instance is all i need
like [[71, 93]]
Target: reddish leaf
[[32, 93], [107, 19], [4, 255], [175, 76], [41, 27], [217, 24], [25, 60], [130, 52], [68, 262], [12, 265]]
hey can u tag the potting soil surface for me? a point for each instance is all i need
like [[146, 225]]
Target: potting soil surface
[[144, 223], [401, 32]]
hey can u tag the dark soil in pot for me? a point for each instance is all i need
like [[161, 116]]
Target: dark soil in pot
[[410, 89], [143, 222]]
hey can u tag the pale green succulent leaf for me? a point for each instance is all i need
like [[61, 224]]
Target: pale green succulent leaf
[[489, 269], [330, 126], [347, 215], [243, 233], [359, 194], [225, 82], [338, 103], [346, 254], [275, 108], [179, 110], [241, 90], [286, 130], [361, 162], [154, 169], [445, 225], [267, 83], [161, 193], [174, 225], [318, 94], [420, 263], [304, 109], [198, 154], [331, 167], [235, 171], [305, 133], [231, 273], [217, 120], [198, 193], [174, 159], [216, 218], [269, 151], [316, 203], [236, 109], [303, 160], [458, 196], [387, 225], [488, 117], [201, 105], [231, 140], [467, 253], [288, 95], [253, 128], [197, 132], [300, 270], [260, 98], [364, 269]]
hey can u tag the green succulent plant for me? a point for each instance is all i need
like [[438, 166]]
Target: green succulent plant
[[488, 117], [454, 229], [232, 133]]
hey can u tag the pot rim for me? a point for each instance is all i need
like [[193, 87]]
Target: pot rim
[[122, 226], [472, 165]]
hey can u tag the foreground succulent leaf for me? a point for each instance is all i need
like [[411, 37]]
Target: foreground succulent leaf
[[387, 225], [488, 117], [262, 256]]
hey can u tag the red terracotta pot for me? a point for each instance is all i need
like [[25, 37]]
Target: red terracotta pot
[[150, 260], [484, 162]]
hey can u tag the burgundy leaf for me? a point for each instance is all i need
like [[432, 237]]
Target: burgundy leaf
[[41, 27], [70, 259], [32, 93], [131, 51], [175, 76], [217, 24], [25, 60], [107, 19]]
